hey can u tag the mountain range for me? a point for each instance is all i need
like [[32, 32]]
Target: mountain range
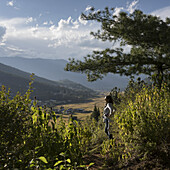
[[54, 70], [44, 89]]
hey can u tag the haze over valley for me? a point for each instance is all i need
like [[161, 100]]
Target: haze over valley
[[54, 70], [45, 90]]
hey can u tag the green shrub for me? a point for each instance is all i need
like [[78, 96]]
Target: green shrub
[[144, 125], [15, 121], [28, 133], [31, 137]]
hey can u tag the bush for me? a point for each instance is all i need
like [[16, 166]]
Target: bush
[[15, 120], [144, 125], [31, 137]]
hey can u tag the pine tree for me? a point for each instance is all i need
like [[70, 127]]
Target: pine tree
[[96, 113], [147, 36]]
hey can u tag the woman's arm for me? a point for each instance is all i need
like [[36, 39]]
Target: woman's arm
[[110, 107]]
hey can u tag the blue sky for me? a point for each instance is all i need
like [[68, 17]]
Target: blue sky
[[53, 28]]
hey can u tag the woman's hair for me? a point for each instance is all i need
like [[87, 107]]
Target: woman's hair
[[109, 98]]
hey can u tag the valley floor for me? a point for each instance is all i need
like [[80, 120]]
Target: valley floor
[[87, 107]]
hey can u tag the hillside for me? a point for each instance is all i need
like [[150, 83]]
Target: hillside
[[140, 128], [44, 89], [54, 70]]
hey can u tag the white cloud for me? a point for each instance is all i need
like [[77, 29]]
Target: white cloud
[[132, 6], [162, 13], [84, 22], [13, 22], [10, 3], [29, 20], [2, 33], [51, 22], [117, 10], [45, 23], [68, 38], [88, 8], [48, 23], [12, 48]]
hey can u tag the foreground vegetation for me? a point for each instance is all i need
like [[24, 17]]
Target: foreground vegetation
[[32, 138]]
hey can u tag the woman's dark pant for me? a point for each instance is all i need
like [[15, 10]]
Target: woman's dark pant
[[107, 128]]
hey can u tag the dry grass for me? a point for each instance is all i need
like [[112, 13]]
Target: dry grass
[[99, 102]]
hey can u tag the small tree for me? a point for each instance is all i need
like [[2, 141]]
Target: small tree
[[147, 36], [96, 113]]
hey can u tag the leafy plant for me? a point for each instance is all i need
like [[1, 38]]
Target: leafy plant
[[145, 123], [32, 137]]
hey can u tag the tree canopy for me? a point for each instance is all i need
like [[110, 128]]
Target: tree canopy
[[148, 39]]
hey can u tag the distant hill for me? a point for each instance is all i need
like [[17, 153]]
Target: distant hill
[[54, 70], [62, 92]]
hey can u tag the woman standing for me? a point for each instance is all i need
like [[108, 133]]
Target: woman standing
[[108, 110]]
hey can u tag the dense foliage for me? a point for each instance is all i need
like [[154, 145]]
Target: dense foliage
[[145, 123], [146, 36], [141, 125], [32, 137]]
